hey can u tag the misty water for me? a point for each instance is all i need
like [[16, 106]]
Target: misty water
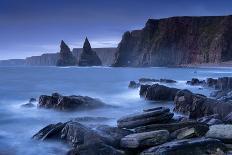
[[19, 84]]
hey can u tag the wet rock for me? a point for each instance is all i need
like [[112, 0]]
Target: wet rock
[[211, 119], [197, 130], [95, 149], [228, 118], [222, 132], [145, 139], [28, 105], [195, 82], [167, 81], [143, 90], [89, 57], [147, 80], [223, 83], [66, 57], [197, 146], [67, 103], [210, 82], [158, 92], [197, 106], [133, 84], [90, 119], [171, 127], [32, 100], [147, 117], [52, 131]]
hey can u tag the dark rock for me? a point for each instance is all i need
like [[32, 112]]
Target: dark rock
[[196, 81], [167, 81], [210, 82], [197, 146], [223, 83], [28, 105], [89, 57], [222, 132], [171, 127], [32, 100], [147, 80], [90, 119], [169, 42], [145, 118], [197, 106], [145, 139], [211, 119], [197, 130], [228, 118], [143, 90], [52, 131], [95, 149], [133, 84], [158, 92], [66, 57], [67, 103]]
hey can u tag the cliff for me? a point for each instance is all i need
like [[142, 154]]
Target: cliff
[[12, 62], [177, 40], [48, 59], [88, 57], [66, 57]]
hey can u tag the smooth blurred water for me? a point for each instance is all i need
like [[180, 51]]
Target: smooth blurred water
[[19, 84]]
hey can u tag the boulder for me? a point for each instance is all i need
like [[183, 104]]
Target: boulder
[[197, 146], [52, 131], [222, 132], [147, 80], [95, 149], [145, 139], [171, 127], [32, 100], [222, 83], [197, 106], [195, 82], [228, 118], [143, 90], [133, 84], [211, 119], [197, 130], [67, 103], [158, 92], [167, 81], [89, 57], [66, 57], [157, 115]]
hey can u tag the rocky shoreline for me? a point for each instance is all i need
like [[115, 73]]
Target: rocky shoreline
[[205, 127]]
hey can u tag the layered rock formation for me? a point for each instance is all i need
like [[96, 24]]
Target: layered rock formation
[[89, 57], [66, 57], [47, 59], [177, 41]]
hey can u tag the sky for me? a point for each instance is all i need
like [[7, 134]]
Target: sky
[[33, 27]]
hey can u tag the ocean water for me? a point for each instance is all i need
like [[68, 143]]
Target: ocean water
[[19, 84]]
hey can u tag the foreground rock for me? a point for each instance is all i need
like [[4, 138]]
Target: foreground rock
[[88, 56], [150, 116], [222, 132], [158, 92], [196, 105], [199, 146], [66, 57], [67, 103], [223, 83], [145, 139]]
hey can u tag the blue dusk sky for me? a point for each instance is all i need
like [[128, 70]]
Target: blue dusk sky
[[33, 27]]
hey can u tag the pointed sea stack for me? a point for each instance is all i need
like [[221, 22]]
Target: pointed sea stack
[[88, 56], [66, 57]]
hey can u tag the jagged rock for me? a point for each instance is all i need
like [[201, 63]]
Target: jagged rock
[[143, 90], [133, 84], [52, 131], [222, 83], [210, 82], [158, 92], [196, 81], [222, 132], [197, 106], [145, 139], [167, 81], [171, 127], [197, 146], [67, 103], [89, 57], [197, 130], [147, 80], [66, 57], [95, 149], [169, 42], [151, 116]]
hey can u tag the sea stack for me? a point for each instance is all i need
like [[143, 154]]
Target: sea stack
[[88, 56], [66, 57]]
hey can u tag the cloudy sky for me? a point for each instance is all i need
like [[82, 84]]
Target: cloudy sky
[[32, 27]]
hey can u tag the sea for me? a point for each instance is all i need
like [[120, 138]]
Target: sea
[[18, 84]]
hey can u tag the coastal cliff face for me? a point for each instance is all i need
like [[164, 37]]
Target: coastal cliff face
[[66, 57], [48, 59], [177, 41], [88, 57]]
